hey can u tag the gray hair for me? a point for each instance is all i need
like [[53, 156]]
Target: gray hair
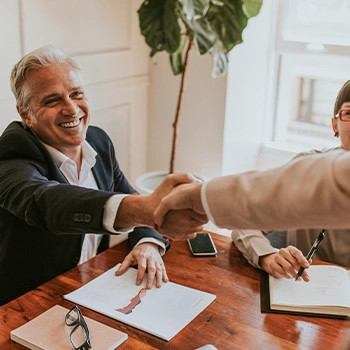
[[41, 57]]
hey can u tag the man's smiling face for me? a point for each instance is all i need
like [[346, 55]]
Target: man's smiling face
[[59, 112]]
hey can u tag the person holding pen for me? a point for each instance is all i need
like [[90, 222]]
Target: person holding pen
[[311, 191], [259, 247]]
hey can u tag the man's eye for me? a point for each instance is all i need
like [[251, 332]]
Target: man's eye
[[77, 94], [51, 102]]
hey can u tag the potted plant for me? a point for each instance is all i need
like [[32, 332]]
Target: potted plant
[[207, 26]]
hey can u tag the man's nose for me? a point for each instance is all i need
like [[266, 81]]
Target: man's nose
[[70, 108]]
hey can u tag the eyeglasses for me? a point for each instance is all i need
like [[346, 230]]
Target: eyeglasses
[[344, 115], [80, 335]]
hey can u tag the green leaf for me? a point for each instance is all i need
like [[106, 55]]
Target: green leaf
[[228, 23], [220, 61], [194, 8], [197, 25], [176, 58], [203, 35], [251, 8], [159, 25]]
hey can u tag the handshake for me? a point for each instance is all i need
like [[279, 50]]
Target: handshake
[[180, 213]]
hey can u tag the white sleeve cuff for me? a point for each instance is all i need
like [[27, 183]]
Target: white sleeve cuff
[[162, 246], [111, 209], [205, 202]]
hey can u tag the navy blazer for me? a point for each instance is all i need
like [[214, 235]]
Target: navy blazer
[[43, 218]]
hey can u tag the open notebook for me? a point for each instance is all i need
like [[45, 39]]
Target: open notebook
[[327, 294]]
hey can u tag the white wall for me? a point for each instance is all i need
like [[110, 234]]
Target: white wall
[[202, 120], [248, 87]]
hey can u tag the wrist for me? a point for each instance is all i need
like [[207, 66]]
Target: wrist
[[265, 261], [134, 211]]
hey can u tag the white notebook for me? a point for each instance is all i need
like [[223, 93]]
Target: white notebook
[[327, 292]]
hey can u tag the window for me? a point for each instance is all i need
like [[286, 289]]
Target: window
[[312, 55]]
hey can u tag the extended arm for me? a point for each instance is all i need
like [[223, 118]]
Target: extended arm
[[310, 192]]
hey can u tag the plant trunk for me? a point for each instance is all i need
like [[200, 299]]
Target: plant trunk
[[179, 108]]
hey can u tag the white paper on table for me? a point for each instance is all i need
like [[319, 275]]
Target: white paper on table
[[162, 312]]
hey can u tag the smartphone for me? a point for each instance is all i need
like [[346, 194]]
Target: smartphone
[[202, 244]]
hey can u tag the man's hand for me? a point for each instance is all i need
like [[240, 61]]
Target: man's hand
[[139, 210], [184, 197], [285, 264], [146, 256], [171, 182], [182, 224]]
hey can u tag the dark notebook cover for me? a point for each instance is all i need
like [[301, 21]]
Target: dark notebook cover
[[265, 301]]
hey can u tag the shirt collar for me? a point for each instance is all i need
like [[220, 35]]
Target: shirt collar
[[88, 153]]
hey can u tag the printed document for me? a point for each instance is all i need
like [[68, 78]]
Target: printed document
[[162, 312]]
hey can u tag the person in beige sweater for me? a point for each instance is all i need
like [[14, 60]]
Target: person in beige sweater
[[310, 192], [259, 247]]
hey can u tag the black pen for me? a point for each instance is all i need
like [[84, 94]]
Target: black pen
[[314, 247]]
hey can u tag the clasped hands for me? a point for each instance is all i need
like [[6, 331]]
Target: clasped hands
[[179, 213]]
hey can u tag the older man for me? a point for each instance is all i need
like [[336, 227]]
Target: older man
[[61, 189]]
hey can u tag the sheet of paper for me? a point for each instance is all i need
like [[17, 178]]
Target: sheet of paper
[[328, 285], [162, 312]]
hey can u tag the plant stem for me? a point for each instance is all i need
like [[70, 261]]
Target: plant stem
[[179, 107]]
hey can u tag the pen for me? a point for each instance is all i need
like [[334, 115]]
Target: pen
[[314, 247]]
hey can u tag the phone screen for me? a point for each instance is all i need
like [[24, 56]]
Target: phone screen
[[202, 244]]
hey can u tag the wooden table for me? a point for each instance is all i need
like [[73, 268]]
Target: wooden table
[[232, 321]]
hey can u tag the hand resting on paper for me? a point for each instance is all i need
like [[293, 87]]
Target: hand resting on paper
[[285, 264], [147, 257]]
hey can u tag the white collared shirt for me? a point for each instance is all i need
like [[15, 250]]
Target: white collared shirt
[[86, 179]]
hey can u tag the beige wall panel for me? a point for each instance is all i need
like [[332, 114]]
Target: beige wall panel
[[103, 35], [8, 113], [129, 62], [116, 122], [84, 26], [120, 108], [9, 43]]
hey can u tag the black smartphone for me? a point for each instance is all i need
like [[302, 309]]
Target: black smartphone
[[202, 244]]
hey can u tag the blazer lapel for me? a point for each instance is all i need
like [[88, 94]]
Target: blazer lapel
[[99, 172]]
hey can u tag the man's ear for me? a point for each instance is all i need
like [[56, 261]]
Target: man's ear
[[25, 115], [335, 125]]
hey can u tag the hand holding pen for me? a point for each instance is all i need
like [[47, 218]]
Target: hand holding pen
[[314, 247]]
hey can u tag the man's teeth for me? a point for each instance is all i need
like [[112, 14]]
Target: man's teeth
[[71, 124]]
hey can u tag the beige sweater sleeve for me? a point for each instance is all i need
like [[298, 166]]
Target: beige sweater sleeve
[[252, 244], [312, 191]]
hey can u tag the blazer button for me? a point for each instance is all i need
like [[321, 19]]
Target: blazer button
[[75, 217], [75, 260], [87, 217]]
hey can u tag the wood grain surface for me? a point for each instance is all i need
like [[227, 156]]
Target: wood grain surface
[[232, 321]]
